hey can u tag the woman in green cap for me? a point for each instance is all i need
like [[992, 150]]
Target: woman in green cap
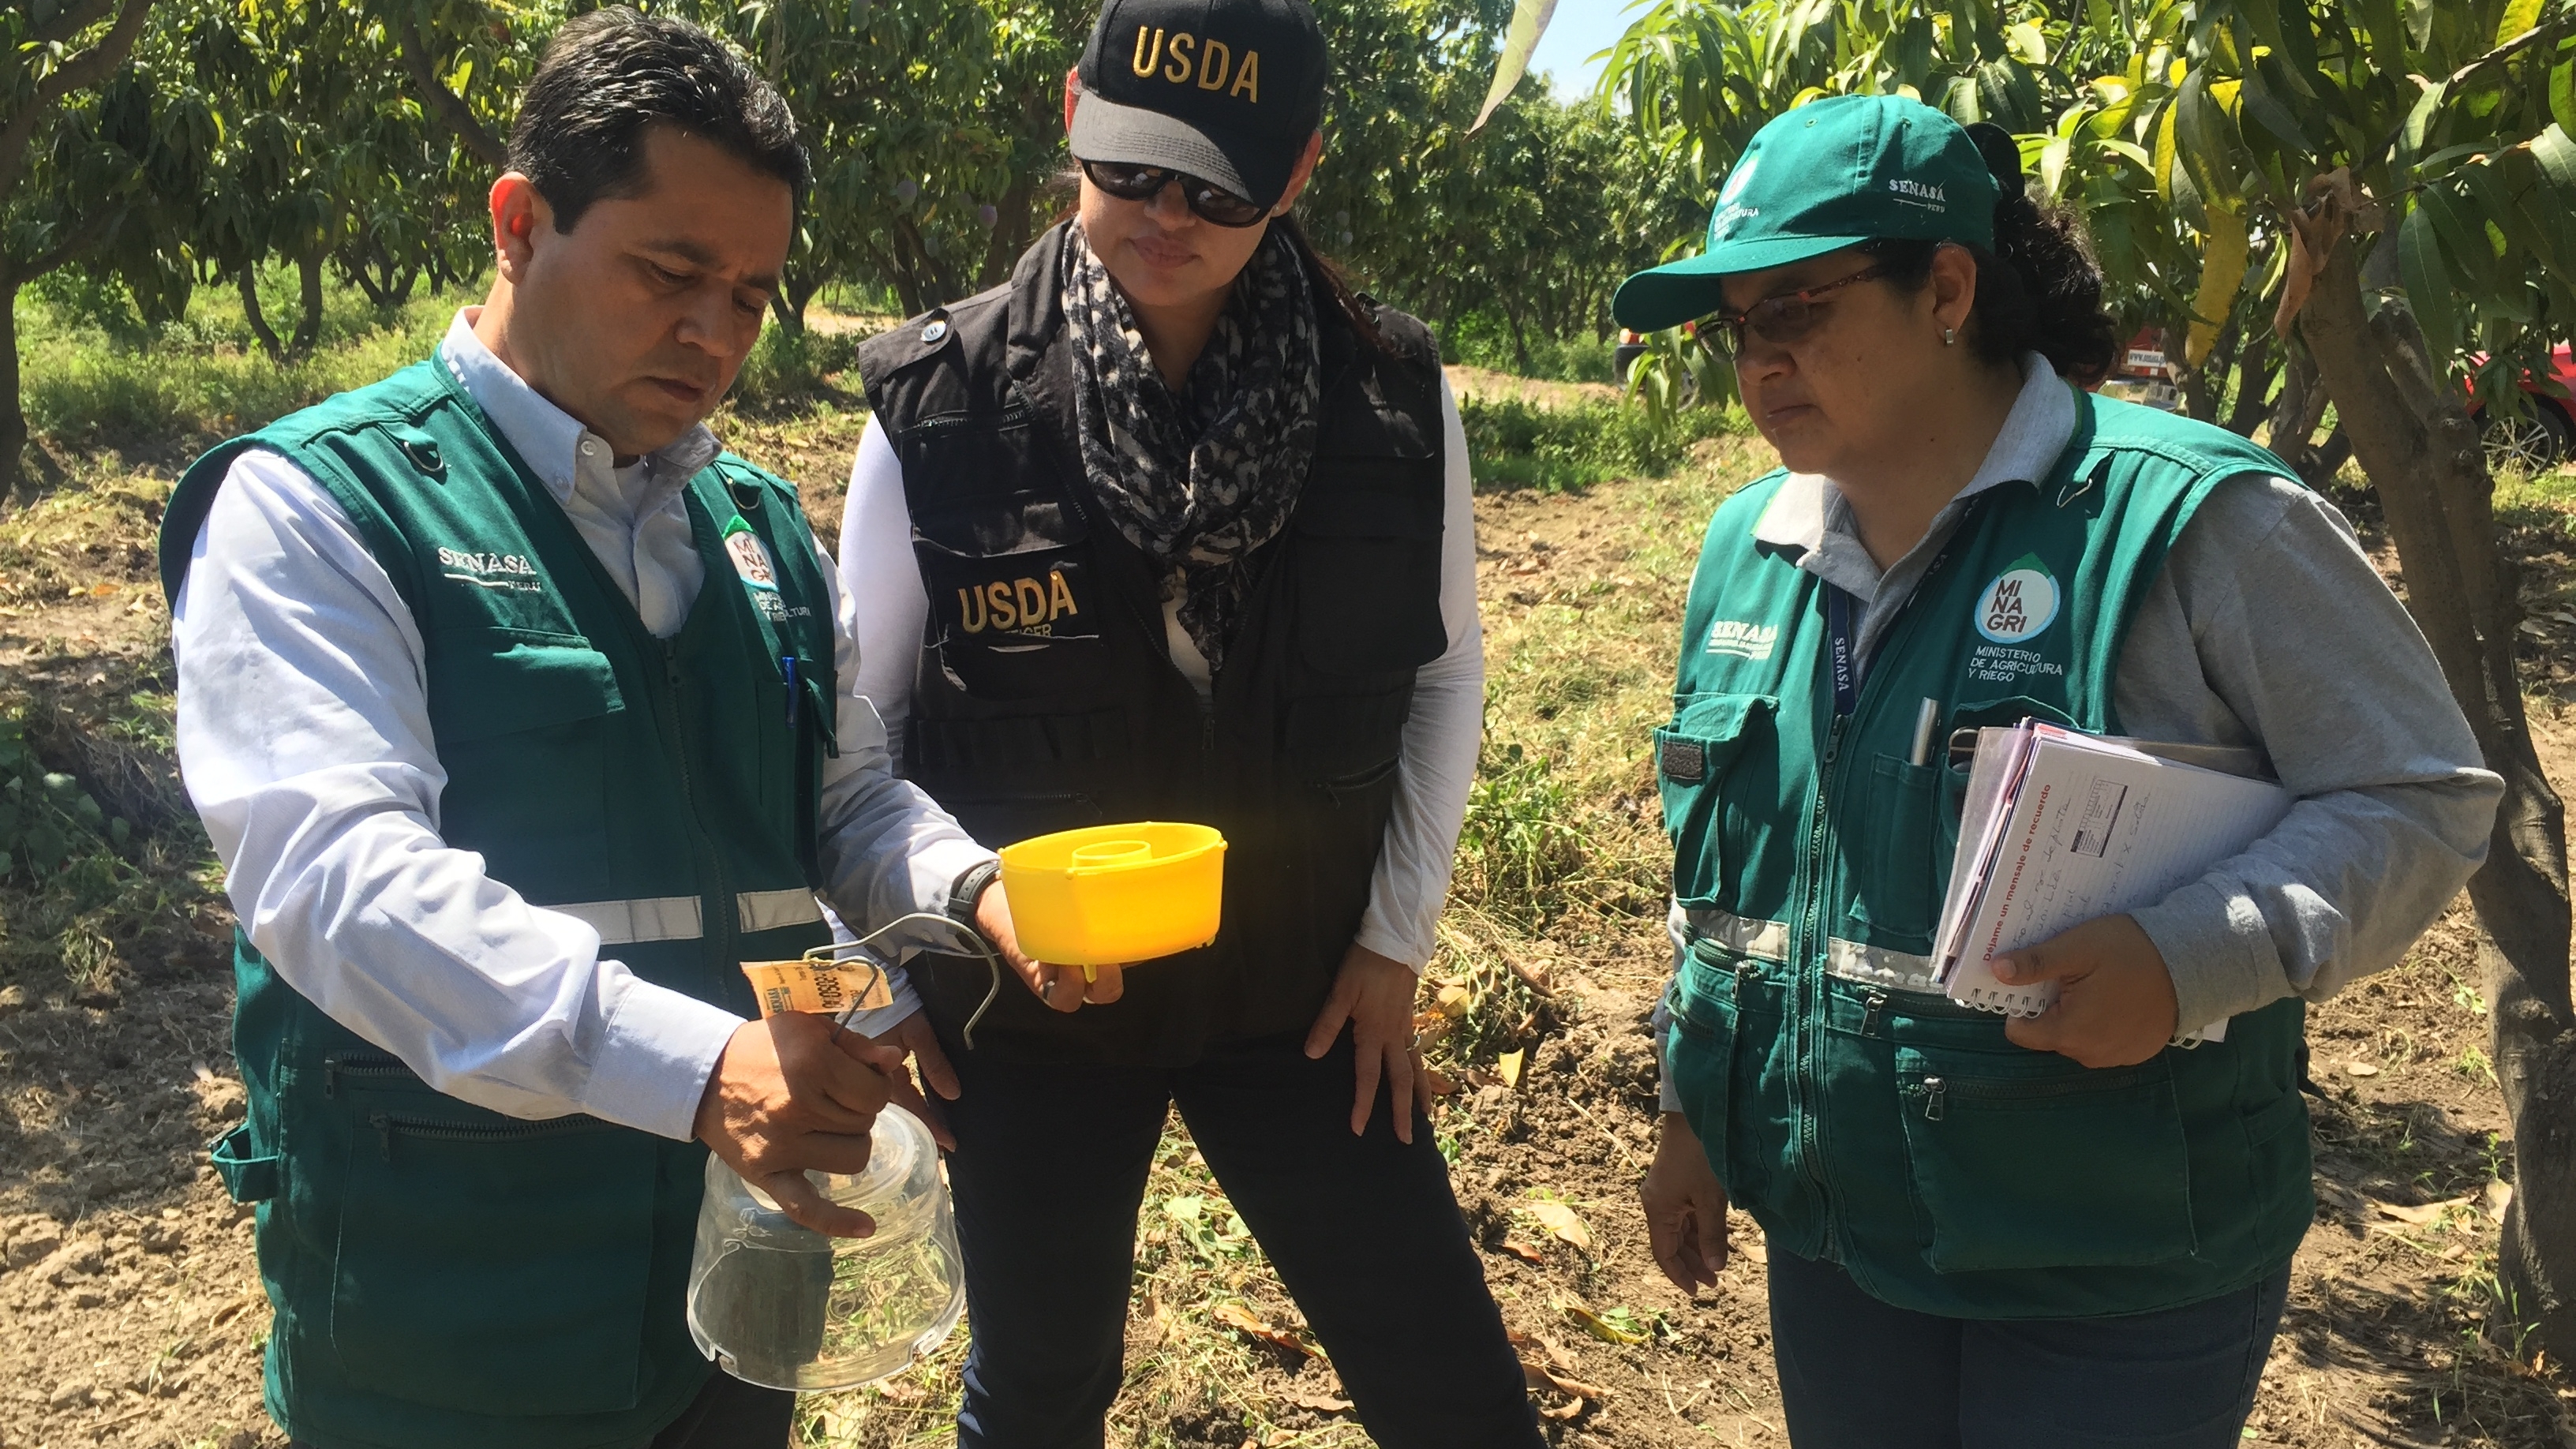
[[2059, 1230]]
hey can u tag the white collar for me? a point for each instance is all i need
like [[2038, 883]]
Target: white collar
[[549, 439], [2034, 434]]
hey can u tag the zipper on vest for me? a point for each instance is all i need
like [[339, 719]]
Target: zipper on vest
[[1811, 984], [359, 1065], [1935, 1089], [388, 1127], [1872, 1005]]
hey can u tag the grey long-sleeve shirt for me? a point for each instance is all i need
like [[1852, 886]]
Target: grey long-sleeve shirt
[[2267, 626]]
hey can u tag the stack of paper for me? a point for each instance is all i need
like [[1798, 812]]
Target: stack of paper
[[2060, 828]]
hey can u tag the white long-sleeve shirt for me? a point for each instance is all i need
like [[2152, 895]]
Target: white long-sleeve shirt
[[882, 580], [304, 738]]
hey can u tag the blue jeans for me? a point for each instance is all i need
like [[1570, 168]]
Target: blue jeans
[[1048, 1173], [1856, 1373]]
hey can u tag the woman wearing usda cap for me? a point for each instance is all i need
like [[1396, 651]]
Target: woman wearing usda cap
[[1173, 526], [2085, 1239]]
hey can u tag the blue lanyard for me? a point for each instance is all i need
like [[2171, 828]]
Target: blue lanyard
[[1842, 650], [1842, 640]]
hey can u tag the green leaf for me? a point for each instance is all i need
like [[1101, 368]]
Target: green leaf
[[2419, 117], [2519, 16], [2562, 94], [2263, 17], [2465, 237], [2298, 46], [2428, 282], [2557, 157], [2163, 163], [2203, 139], [1529, 22], [2270, 114]]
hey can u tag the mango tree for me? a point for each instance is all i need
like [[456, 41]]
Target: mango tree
[[2418, 164], [66, 184]]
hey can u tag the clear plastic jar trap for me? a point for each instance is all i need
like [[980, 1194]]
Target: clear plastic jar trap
[[785, 1307]]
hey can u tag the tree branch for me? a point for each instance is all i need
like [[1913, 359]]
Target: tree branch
[[86, 69], [74, 18], [446, 105]]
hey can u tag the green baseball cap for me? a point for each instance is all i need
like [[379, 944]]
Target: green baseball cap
[[1831, 174]]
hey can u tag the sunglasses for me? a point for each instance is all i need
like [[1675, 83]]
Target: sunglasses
[[1208, 201], [1784, 319]]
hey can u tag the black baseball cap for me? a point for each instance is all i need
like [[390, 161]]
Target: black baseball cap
[[1225, 90]]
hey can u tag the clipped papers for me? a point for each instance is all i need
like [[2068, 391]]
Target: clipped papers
[[2060, 828]]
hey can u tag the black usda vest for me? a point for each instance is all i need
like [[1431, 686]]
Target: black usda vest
[[1045, 697]]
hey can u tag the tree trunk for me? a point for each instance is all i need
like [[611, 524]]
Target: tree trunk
[[259, 328], [2254, 373], [13, 416], [308, 322], [2414, 439], [2295, 415]]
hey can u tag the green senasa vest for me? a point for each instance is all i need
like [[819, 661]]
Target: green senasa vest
[[1811, 856], [442, 1274]]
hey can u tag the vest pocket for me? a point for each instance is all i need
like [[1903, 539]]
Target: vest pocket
[[1727, 1011], [1021, 625], [1368, 567], [499, 698], [1693, 758], [2024, 1160], [484, 1263], [1904, 872]]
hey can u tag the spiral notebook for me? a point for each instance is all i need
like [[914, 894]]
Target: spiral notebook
[[2061, 827]]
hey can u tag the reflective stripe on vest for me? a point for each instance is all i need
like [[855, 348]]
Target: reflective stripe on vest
[[1769, 941], [677, 918]]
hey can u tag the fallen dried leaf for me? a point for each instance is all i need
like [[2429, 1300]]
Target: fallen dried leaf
[[1523, 1251], [1564, 1411], [2499, 1197], [1248, 1323], [2360, 1069], [1573, 1387], [1440, 1082], [1317, 1400], [2419, 1214], [1509, 1064], [1453, 1001], [1559, 1219]]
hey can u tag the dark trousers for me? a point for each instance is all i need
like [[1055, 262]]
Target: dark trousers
[[1856, 1373], [726, 1414], [1050, 1169]]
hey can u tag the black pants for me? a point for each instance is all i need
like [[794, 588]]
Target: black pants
[[1856, 1373], [726, 1414], [1050, 1169]]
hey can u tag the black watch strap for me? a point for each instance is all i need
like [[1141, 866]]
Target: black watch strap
[[969, 889]]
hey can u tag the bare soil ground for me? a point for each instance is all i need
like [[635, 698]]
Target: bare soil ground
[[131, 1314]]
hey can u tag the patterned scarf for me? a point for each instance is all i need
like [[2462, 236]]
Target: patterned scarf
[[1200, 479]]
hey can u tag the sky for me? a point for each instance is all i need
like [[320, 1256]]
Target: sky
[[1580, 27]]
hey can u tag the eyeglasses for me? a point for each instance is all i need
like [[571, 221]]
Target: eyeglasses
[[1208, 201], [1784, 319]]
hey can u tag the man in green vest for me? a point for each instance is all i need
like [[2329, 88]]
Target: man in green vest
[[512, 707]]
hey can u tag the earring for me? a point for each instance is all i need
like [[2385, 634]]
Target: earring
[[1949, 336]]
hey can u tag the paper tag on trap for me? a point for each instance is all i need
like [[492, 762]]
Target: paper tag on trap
[[826, 987]]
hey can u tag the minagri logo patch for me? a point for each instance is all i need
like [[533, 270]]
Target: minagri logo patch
[[2020, 604], [1743, 640], [1915, 193]]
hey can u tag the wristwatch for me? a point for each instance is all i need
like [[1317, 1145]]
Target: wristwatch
[[968, 890]]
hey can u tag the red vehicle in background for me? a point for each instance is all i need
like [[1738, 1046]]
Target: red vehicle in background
[[2546, 438]]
